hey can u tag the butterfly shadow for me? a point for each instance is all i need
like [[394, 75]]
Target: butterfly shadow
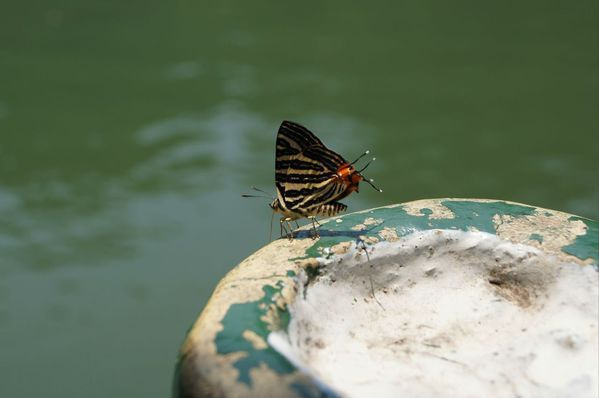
[[322, 233]]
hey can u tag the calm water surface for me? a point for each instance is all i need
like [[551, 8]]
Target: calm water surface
[[128, 131]]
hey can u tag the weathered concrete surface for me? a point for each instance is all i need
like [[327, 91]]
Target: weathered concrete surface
[[474, 277], [448, 313]]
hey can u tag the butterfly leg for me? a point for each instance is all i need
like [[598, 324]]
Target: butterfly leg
[[286, 229], [361, 246], [290, 228], [283, 228], [315, 233]]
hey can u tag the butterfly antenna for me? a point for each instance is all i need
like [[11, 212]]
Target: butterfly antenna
[[260, 190], [245, 195], [367, 164], [371, 182], [360, 157]]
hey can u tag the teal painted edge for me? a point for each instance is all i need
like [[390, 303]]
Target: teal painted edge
[[467, 215], [536, 237], [585, 246], [248, 316]]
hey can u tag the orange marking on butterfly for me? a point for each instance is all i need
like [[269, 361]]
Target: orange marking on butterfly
[[350, 177]]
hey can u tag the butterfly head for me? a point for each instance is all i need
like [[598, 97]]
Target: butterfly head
[[352, 177]]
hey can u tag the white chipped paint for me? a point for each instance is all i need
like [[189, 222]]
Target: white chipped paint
[[454, 313]]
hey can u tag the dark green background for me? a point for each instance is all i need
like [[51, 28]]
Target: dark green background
[[129, 129]]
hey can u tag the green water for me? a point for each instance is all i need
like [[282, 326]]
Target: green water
[[128, 131]]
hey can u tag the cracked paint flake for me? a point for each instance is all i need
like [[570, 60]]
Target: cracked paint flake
[[556, 229], [389, 234], [433, 209]]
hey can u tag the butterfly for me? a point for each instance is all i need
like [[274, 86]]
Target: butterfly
[[311, 179]]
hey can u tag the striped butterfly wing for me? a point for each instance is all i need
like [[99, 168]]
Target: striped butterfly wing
[[305, 170]]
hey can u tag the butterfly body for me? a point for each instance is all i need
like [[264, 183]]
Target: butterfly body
[[310, 179], [325, 210]]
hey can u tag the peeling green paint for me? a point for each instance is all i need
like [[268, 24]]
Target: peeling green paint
[[480, 214], [467, 215], [248, 316], [313, 251], [426, 211], [536, 237], [585, 246]]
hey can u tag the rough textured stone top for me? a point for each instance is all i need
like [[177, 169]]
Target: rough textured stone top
[[230, 349]]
